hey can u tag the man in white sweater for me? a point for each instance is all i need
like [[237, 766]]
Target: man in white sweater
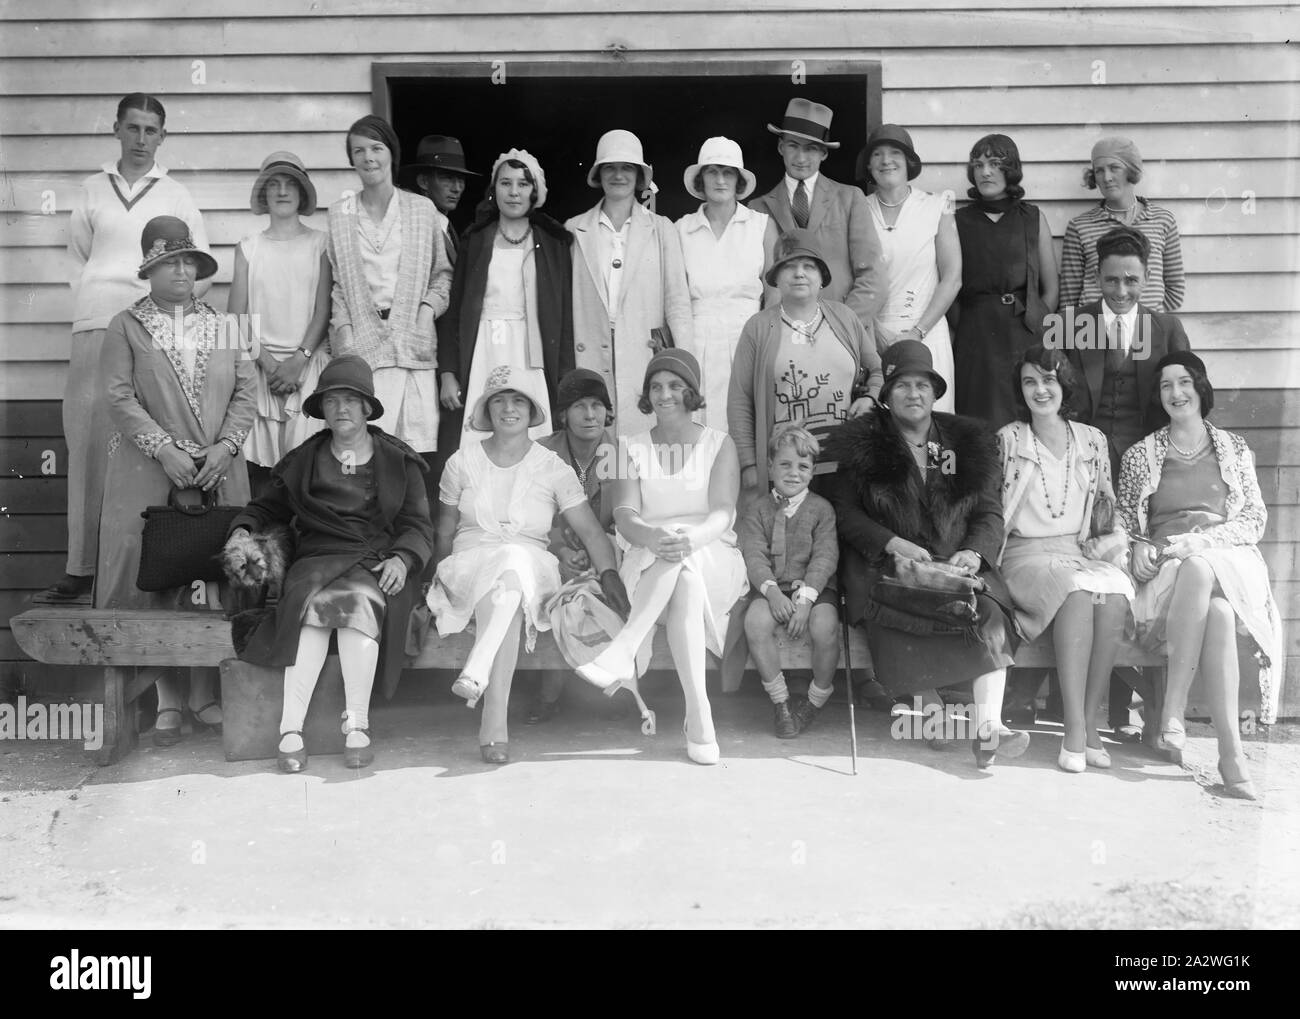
[[104, 244]]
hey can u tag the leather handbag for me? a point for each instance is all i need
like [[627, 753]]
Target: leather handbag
[[181, 543], [925, 598]]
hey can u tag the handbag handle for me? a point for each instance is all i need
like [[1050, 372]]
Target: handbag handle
[[209, 501]]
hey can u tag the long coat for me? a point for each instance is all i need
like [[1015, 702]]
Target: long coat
[[151, 396], [324, 539], [653, 292], [840, 220], [878, 494]]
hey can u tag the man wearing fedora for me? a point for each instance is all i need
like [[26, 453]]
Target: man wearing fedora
[[440, 173], [835, 214]]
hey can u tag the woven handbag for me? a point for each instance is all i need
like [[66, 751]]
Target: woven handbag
[[180, 543]]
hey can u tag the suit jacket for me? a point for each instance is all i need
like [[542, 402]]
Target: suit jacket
[[840, 220], [1162, 333]]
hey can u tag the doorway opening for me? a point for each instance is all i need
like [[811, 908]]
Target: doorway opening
[[558, 110]]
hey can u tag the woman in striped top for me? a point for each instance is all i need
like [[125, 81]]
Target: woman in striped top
[[1115, 171]]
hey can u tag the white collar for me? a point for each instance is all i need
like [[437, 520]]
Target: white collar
[[810, 184], [604, 220], [698, 221], [1130, 319], [792, 507], [157, 170]]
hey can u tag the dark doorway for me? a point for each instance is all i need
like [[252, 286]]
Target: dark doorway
[[557, 111]]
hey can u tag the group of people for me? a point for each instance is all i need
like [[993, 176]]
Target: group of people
[[713, 426]]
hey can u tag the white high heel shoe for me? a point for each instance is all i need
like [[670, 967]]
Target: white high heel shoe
[[1096, 757], [1069, 760], [702, 753]]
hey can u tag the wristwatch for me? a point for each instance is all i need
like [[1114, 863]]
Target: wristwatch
[[305, 352], [920, 332], [230, 444]]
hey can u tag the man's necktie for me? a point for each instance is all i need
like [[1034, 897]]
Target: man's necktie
[[778, 537], [1117, 353], [800, 206]]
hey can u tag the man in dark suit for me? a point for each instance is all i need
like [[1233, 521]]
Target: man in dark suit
[[1115, 343], [836, 214], [440, 173]]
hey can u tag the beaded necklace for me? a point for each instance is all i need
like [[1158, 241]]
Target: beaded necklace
[[1042, 474]]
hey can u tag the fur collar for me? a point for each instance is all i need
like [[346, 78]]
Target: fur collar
[[871, 452]]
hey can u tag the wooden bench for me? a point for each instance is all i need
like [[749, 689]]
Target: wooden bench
[[125, 642]]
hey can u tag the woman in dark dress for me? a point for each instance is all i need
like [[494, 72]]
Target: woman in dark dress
[[360, 516], [1009, 281], [923, 486]]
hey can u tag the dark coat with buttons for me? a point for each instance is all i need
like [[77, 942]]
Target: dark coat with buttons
[[458, 327]]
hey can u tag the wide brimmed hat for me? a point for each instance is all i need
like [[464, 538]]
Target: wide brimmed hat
[[291, 166], [807, 120], [680, 362], [347, 372], [899, 138], [797, 244], [534, 167], [720, 152], [618, 147], [165, 236], [581, 384], [438, 152], [503, 379], [909, 356]]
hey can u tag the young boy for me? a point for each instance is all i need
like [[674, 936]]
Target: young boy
[[791, 552]]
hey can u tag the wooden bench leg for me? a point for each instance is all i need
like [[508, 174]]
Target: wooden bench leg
[[119, 715]]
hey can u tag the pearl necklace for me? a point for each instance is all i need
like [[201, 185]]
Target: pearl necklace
[[1194, 450], [1042, 474], [895, 205]]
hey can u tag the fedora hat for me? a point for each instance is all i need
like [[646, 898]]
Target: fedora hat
[[807, 120], [618, 147], [720, 152], [438, 152], [347, 372], [797, 244], [890, 134], [503, 379], [909, 356], [291, 166], [164, 236]]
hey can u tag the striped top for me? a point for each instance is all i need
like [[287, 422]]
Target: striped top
[[1166, 284], [423, 277]]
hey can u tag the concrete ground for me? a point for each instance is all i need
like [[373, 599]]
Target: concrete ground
[[593, 824]]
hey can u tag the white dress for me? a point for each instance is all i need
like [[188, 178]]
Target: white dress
[[912, 269], [505, 524], [680, 498], [282, 279], [724, 276], [503, 339]]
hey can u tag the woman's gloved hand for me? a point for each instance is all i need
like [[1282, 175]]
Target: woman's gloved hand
[[611, 586]]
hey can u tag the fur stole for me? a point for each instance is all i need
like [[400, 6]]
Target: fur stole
[[874, 457]]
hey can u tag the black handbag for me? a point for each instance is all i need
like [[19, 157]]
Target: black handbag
[[180, 543], [925, 598]]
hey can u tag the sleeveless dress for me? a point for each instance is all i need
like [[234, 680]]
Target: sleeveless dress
[[503, 339], [680, 498], [996, 259], [282, 280], [505, 524], [724, 276], [912, 268]]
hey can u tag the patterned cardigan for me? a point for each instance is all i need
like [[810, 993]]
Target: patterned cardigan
[[423, 277], [1139, 478]]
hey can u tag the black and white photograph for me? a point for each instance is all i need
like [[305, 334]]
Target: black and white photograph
[[695, 465]]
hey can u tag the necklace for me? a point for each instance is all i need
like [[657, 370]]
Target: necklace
[[578, 469], [895, 205], [1042, 475], [511, 240], [1125, 214], [1189, 453]]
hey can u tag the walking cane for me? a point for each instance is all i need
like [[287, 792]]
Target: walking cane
[[848, 675]]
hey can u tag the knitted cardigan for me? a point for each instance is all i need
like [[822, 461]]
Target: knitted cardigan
[[423, 277]]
